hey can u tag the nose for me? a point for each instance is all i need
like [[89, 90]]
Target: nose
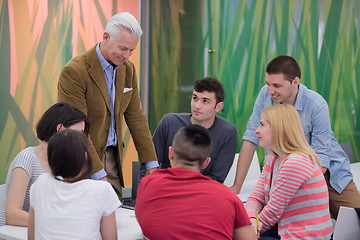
[[126, 55], [270, 90], [197, 105], [257, 131]]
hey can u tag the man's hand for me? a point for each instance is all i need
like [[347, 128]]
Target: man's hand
[[235, 188], [150, 171]]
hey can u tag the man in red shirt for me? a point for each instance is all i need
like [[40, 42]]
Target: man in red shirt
[[181, 203]]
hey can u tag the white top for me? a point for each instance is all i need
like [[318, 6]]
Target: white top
[[70, 210], [127, 227]]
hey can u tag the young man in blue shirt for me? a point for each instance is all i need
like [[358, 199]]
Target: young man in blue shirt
[[283, 86]]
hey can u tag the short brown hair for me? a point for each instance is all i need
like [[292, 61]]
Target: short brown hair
[[192, 145], [285, 65]]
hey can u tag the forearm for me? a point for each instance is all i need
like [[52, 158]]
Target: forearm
[[17, 217], [245, 157], [31, 225]]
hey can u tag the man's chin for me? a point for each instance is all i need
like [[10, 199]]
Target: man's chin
[[277, 100]]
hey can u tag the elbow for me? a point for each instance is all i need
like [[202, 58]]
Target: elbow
[[16, 218]]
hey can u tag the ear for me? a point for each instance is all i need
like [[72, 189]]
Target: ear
[[58, 127], [171, 153], [106, 36], [206, 162], [296, 81], [219, 106]]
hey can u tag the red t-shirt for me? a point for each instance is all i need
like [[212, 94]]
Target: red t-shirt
[[176, 203]]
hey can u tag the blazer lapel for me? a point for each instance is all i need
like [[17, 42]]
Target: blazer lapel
[[119, 86], [97, 75]]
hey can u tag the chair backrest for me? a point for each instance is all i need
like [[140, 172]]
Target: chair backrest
[[346, 146], [251, 177], [347, 226], [355, 170], [135, 178], [2, 193]]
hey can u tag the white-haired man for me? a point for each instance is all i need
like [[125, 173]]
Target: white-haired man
[[102, 83]]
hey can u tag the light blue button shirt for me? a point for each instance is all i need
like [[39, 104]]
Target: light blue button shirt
[[110, 74], [314, 114]]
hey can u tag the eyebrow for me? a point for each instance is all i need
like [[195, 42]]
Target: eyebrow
[[202, 97], [276, 83]]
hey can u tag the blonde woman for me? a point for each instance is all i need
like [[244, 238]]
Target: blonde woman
[[291, 196]]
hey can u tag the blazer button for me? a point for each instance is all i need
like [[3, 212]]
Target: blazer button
[[106, 131]]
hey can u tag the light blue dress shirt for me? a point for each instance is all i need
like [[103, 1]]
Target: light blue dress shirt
[[314, 114], [110, 74]]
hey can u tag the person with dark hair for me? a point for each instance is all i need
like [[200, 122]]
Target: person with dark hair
[[283, 86], [31, 162], [207, 100], [102, 83], [181, 203], [66, 203]]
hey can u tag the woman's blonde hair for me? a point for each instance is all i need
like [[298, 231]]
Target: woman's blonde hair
[[287, 131]]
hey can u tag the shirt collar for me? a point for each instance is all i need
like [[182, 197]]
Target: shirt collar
[[299, 98], [104, 63]]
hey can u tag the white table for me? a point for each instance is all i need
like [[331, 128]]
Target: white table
[[127, 227], [13, 233]]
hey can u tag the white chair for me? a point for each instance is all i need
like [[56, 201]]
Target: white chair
[[2, 193], [355, 170], [251, 177], [347, 226]]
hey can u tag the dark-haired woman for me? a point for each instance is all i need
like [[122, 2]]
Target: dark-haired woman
[[67, 204], [31, 162]]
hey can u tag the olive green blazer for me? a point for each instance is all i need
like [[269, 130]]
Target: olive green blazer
[[82, 84]]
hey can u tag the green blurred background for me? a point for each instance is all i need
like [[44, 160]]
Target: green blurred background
[[324, 37]]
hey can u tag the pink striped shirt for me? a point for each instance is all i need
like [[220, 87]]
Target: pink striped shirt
[[297, 199]]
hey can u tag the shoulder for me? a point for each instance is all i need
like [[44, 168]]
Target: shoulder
[[26, 157], [226, 125], [176, 118], [44, 178], [129, 64], [129, 68], [176, 115], [81, 61], [263, 93], [100, 186], [311, 96], [263, 99], [90, 54], [298, 161], [218, 189]]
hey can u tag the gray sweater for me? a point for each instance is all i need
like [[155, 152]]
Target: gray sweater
[[223, 143]]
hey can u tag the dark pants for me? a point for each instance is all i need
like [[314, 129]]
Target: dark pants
[[112, 169], [271, 234]]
